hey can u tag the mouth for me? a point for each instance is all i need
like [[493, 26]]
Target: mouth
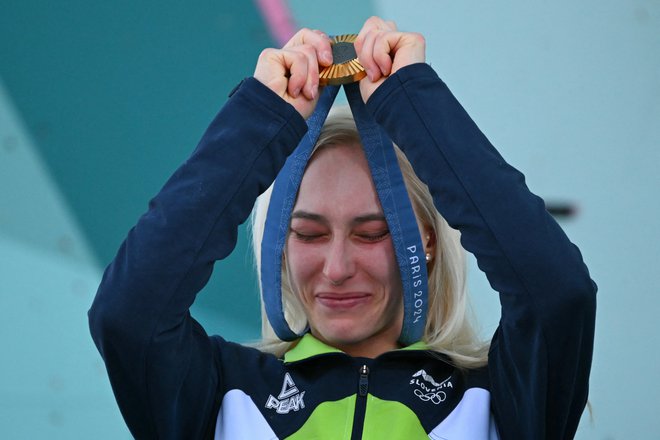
[[344, 301]]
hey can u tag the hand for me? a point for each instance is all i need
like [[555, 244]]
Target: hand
[[293, 71], [383, 50]]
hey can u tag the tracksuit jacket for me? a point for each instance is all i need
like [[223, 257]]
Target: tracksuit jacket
[[172, 381]]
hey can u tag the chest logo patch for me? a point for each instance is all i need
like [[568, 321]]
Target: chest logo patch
[[290, 397], [427, 389]]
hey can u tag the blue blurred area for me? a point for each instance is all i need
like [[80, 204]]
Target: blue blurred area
[[99, 103], [116, 94]]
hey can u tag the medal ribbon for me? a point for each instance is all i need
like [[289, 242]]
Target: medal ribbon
[[394, 200]]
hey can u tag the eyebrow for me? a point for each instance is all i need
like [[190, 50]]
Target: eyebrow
[[370, 218], [321, 219], [309, 216]]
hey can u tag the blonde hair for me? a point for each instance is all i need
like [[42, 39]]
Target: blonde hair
[[449, 329]]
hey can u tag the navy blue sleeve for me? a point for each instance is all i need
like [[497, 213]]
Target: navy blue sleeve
[[540, 355], [163, 367]]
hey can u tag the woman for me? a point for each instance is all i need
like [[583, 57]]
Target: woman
[[349, 376]]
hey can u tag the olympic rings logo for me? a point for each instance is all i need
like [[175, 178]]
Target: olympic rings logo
[[435, 397]]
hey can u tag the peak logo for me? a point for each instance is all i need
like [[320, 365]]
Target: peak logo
[[427, 389], [290, 397]]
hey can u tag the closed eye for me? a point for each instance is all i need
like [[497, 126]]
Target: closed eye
[[306, 237], [374, 237]]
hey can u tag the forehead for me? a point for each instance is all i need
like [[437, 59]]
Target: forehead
[[337, 179]]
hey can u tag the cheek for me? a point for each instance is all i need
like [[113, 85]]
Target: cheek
[[389, 270], [386, 259], [301, 264]]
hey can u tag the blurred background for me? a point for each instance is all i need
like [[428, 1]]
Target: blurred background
[[99, 103]]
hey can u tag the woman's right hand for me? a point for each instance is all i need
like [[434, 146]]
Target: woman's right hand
[[293, 71]]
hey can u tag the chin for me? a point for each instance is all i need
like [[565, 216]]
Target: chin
[[341, 334]]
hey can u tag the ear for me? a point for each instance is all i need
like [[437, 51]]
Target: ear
[[429, 239]]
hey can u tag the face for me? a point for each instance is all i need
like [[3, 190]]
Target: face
[[339, 256]]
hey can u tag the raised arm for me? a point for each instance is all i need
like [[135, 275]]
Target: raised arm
[[162, 366], [540, 356]]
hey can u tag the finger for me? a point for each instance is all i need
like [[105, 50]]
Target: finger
[[310, 89], [371, 24], [365, 46], [270, 70], [315, 38], [391, 25], [365, 55], [269, 60], [382, 51], [409, 48], [295, 63], [375, 22]]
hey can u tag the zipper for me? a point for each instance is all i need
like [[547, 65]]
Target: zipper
[[363, 384], [360, 402]]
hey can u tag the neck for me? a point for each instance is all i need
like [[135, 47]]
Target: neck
[[365, 349]]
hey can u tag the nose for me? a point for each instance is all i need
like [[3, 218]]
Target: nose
[[339, 262]]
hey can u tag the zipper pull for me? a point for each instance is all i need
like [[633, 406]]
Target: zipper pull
[[364, 380]]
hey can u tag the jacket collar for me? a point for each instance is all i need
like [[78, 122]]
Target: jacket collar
[[308, 346]]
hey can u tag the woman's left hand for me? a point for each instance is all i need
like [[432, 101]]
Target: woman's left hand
[[383, 50]]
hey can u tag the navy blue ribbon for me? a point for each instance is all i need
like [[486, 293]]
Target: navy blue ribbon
[[394, 200]]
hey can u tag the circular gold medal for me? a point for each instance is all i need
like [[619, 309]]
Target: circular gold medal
[[345, 67]]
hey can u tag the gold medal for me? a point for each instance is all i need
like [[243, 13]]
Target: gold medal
[[345, 67]]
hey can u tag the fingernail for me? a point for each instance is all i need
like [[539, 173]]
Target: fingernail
[[296, 92], [326, 56]]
